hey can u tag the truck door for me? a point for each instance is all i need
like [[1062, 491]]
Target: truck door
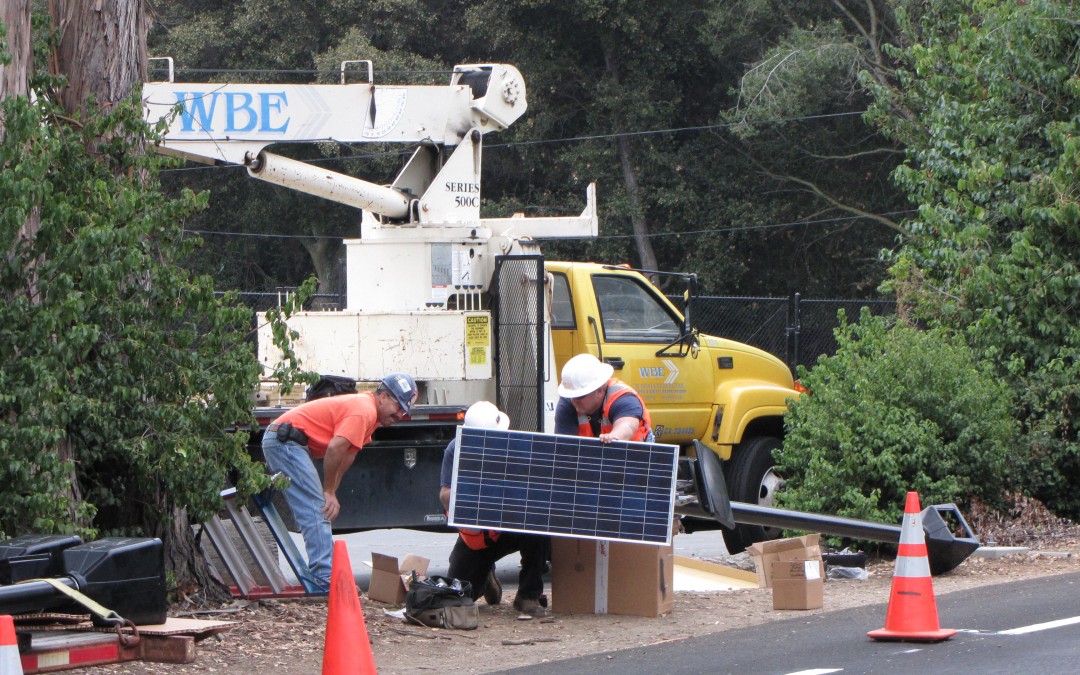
[[635, 322]]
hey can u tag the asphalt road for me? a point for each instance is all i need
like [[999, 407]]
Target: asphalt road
[[1028, 626]]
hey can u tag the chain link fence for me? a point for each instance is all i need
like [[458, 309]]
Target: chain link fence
[[260, 302], [794, 329]]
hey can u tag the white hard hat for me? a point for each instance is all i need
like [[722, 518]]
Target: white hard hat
[[484, 415], [582, 375]]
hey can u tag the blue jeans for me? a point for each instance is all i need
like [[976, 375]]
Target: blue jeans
[[305, 497]]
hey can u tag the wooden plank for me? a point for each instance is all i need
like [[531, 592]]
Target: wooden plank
[[166, 648], [701, 575]]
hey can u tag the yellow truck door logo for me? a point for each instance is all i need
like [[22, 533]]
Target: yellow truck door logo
[[669, 372]]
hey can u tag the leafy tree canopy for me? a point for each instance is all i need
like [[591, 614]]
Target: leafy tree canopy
[[986, 105], [108, 348], [896, 409]]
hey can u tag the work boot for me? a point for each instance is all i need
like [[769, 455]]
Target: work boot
[[493, 589], [530, 606]]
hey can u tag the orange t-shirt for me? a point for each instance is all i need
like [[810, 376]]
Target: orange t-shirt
[[353, 416]]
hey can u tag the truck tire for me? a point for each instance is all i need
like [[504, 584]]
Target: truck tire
[[752, 478]]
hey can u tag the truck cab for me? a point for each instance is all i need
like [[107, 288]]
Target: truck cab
[[728, 396]]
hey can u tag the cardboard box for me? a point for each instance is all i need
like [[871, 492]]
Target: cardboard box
[[390, 579], [591, 576], [766, 553], [797, 584]]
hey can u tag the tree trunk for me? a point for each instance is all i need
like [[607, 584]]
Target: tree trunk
[[15, 15], [326, 255], [102, 50], [184, 559], [637, 217], [14, 81]]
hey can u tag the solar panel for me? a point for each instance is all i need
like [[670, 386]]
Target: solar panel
[[550, 484]]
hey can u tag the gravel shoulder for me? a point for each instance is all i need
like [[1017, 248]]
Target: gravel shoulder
[[286, 636]]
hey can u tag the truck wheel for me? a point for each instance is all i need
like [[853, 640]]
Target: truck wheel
[[752, 478]]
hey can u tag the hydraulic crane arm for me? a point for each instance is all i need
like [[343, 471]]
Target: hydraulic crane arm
[[230, 122], [234, 123]]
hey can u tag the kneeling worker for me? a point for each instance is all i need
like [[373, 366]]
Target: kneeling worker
[[594, 404], [332, 429], [476, 551]]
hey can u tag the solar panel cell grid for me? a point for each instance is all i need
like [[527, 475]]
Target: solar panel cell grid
[[565, 485]]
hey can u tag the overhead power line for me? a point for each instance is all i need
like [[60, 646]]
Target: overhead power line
[[704, 127], [554, 141], [719, 230]]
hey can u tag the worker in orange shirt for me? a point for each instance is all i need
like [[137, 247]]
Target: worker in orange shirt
[[331, 430]]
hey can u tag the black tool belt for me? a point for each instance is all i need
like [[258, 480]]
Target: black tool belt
[[287, 432]]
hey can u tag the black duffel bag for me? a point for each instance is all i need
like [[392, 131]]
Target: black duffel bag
[[331, 385], [439, 602]]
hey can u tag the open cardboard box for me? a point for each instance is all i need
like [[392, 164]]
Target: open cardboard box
[[590, 576], [766, 553], [390, 579]]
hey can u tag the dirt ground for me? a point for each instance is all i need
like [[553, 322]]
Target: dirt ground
[[286, 636]]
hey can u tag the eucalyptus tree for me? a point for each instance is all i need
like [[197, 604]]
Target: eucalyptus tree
[[121, 373], [710, 163], [816, 174], [604, 77]]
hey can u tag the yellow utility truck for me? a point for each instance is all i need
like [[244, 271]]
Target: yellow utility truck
[[466, 304]]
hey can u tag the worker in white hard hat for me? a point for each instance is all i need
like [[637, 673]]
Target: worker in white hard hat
[[594, 404], [476, 551]]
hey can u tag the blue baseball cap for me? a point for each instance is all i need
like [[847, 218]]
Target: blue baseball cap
[[403, 387]]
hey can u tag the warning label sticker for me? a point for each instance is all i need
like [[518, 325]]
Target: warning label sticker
[[477, 331]]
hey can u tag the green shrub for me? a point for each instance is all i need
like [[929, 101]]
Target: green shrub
[[895, 409]]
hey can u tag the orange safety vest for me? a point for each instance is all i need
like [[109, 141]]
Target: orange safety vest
[[615, 389], [478, 540]]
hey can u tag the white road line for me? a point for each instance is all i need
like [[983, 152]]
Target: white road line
[[817, 671], [1034, 628]]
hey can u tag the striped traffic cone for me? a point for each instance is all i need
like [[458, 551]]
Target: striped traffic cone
[[912, 614], [10, 661]]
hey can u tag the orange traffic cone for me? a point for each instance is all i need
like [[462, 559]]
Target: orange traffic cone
[[912, 614], [348, 649], [10, 661]]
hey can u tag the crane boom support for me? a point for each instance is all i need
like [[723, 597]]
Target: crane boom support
[[225, 123]]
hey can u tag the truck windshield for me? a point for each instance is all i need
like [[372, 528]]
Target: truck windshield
[[629, 313]]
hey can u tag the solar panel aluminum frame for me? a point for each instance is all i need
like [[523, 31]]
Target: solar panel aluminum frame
[[520, 481]]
